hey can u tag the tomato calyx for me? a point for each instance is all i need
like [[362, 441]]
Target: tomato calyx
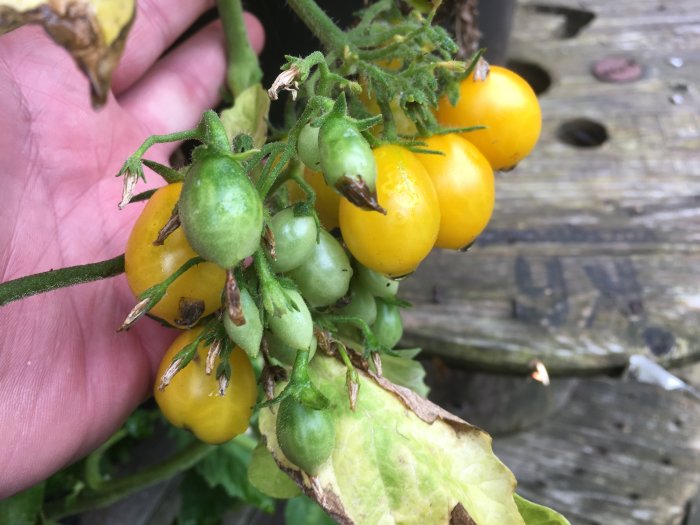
[[169, 227], [151, 296], [220, 347], [274, 298], [300, 387], [371, 344]]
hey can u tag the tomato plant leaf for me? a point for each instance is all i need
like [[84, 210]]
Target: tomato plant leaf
[[202, 504], [24, 507], [248, 115], [405, 371], [398, 455], [535, 514], [92, 31], [227, 468], [306, 511], [266, 476]]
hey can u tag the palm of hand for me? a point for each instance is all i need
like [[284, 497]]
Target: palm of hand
[[67, 379]]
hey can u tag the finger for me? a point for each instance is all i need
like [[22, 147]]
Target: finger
[[184, 83], [158, 24]]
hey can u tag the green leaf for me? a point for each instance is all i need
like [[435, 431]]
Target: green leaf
[[227, 467], [266, 476], [535, 514], [248, 115], [399, 458], [141, 423], [23, 508], [303, 510], [202, 504], [405, 371]]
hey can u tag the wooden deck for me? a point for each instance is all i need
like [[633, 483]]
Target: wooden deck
[[593, 254]]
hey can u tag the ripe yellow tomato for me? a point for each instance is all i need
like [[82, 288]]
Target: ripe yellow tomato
[[327, 199], [394, 244], [464, 182], [147, 265], [404, 125], [192, 399], [506, 105]]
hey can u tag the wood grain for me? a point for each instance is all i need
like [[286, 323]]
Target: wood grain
[[592, 253]]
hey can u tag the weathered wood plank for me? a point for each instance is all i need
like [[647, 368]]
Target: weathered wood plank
[[592, 253], [617, 452]]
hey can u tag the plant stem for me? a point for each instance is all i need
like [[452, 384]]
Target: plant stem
[[164, 139], [114, 490], [243, 67], [331, 36], [93, 476], [53, 279]]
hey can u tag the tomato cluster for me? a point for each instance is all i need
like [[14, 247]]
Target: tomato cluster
[[271, 278]]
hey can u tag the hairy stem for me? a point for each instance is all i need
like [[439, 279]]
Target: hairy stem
[[319, 23], [53, 279], [243, 67]]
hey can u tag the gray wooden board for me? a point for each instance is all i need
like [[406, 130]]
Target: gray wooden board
[[615, 453], [592, 253]]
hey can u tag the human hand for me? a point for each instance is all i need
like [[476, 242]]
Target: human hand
[[67, 379]]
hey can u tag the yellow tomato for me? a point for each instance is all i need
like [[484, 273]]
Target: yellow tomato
[[327, 199], [192, 399], [394, 244], [463, 179], [404, 125], [506, 105], [147, 265]]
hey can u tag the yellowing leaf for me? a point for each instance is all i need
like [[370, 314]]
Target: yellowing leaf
[[248, 115], [266, 476], [535, 514], [92, 31], [398, 458]]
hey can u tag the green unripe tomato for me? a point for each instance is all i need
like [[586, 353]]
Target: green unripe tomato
[[248, 335], [388, 327], [346, 157], [305, 436], [220, 211], [284, 353], [307, 147], [362, 303], [294, 328], [378, 285], [295, 238], [324, 277]]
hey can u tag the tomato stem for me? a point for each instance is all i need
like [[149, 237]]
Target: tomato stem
[[93, 476], [54, 279], [111, 491], [163, 139], [320, 24], [270, 174], [243, 66]]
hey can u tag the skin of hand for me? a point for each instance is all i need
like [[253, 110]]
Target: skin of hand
[[67, 378]]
